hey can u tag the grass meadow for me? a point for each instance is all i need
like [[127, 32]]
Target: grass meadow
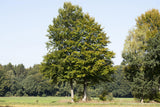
[[65, 102]]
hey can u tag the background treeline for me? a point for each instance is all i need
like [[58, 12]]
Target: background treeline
[[16, 80]]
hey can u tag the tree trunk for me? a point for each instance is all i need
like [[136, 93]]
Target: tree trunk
[[72, 92], [85, 92], [142, 100]]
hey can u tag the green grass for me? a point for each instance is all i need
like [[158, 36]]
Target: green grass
[[32, 100], [65, 101]]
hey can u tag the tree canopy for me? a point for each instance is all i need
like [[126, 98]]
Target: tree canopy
[[140, 55], [77, 49]]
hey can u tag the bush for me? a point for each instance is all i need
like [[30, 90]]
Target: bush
[[8, 94], [44, 95], [102, 96], [110, 97], [75, 99], [106, 96], [146, 100], [20, 93], [157, 98], [25, 94]]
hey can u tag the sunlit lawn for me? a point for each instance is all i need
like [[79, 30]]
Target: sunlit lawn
[[65, 101], [32, 100]]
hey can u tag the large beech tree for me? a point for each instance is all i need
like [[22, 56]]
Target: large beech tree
[[77, 50]]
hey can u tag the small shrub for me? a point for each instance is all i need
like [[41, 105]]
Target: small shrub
[[157, 100], [20, 93], [8, 94], [80, 95], [44, 95], [88, 97], [25, 94], [146, 100], [102, 96], [75, 99], [106, 96], [110, 97]]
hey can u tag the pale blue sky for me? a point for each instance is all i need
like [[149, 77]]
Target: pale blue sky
[[24, 24]]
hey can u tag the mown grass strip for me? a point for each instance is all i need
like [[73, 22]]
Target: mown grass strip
[[65, 101]]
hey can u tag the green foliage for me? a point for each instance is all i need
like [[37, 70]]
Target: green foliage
[[157, 98], [106, 96], [20, 92], [120, 87], [143, 88], [141, 56], [44, 95], [110, 97], [33, 84], [8, 94], [151, 20], [152, 58], [4, 82], [27, 82], [1, 81], [76, 98], [77, 49], [146, 100], [103, 96]]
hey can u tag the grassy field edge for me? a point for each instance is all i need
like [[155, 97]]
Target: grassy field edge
[[65, 101]]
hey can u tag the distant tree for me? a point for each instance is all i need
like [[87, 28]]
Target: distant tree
[[133, 52], [5, 82], [20, 70], [16, 80], [120, 87], [15, 75], [35, 85], [152, 64], [151, 21], [77, 49], [152, 57], [140, 55], [9, 67], [2, 86], [143, 88]]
